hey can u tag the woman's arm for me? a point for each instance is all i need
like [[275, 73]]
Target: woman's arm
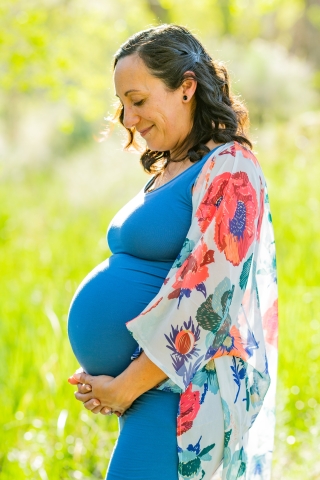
[[117, 394]]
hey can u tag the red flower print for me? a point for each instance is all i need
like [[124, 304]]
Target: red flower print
[[270, 324], [261, 212], [233, 201], [184, 341], [229, 150], [204, 176], [235, 219], [237, 147], [189, 408], [232, 345], [193, 272], [154, 305], [212, 200]]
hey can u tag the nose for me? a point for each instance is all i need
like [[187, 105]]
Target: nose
[[130, 118]]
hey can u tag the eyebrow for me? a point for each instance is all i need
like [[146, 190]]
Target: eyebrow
[[129, 91]]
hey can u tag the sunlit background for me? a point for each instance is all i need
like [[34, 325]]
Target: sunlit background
[[60, 186]]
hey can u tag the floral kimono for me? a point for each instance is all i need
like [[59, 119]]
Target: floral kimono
[[213, 325]]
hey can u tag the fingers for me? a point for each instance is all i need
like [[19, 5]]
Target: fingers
[[93, 405], [97, 409], [106, 411], [83, 388], [80, 377], [90, 405], [72, 380], [85, 397]]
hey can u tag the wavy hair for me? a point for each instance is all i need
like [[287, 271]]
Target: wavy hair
[[169, 51]]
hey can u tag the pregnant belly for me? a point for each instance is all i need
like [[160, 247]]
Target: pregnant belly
[[115, 292]]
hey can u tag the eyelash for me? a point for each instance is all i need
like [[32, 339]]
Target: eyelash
[[138, 104]]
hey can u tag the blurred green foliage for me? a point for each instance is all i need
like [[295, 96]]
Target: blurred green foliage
[[59, 189], [56, 56]]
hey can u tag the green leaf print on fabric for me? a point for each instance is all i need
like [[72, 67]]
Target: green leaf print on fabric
[[226, 456], [222, 297], [242, 469], [214, 310], [207, 376], [237, 467], [193, 467], [247, 399], [206, 450], [245, 273], [190, 468], [222, 333], [188, 246], [207, 318], [227, 436], [226, 413], [259, 387]]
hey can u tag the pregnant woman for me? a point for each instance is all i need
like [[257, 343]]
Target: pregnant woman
[[176, 332]]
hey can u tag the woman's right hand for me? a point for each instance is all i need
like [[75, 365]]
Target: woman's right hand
[[86, 388], [93, 393]]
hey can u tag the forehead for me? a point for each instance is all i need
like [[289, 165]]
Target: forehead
[[132, 74]]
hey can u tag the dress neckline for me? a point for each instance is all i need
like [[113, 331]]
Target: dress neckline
[[150, 182]]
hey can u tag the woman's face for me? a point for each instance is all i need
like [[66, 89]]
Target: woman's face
[[161, 116]]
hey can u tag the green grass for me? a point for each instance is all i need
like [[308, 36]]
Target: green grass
[[53, 220]]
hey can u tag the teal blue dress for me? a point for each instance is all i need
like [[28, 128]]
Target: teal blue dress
[[145, 237]]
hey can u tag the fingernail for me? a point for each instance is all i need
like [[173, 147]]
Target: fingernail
[[96, 403], [88, 388], [106, 410]]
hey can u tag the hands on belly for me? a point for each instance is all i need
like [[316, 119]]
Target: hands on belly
[[105, 394], [98, 395]]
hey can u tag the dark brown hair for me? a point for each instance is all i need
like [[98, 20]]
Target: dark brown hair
[[169, 51]]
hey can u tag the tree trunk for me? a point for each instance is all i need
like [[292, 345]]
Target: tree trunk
[[306, 33], [161, 13]]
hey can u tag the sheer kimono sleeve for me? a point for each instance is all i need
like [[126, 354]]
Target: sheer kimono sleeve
[[198, 313]]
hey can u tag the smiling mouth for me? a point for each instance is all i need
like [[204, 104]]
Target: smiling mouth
[[145, 131]]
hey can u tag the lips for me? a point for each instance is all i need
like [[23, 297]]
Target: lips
[[145, 131]]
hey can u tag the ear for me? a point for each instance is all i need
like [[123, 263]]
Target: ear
[[189, 85]]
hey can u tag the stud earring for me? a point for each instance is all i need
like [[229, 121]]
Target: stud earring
[[185, 97]]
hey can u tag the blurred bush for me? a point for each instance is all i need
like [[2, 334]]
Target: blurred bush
[[275, 84], [56, 56]]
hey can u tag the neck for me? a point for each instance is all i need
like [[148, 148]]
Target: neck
[[210, 144]]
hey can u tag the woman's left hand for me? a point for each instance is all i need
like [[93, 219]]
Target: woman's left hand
[[98, 394]]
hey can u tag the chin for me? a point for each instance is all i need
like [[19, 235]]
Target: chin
[[156, 147]]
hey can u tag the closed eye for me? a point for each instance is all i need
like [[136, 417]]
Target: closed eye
[[138, 104]]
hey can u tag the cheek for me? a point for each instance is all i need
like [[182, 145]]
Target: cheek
[[158, 118], [169, 117], [174, 114]]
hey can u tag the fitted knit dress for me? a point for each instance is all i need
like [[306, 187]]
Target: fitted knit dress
[[145, 237]]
